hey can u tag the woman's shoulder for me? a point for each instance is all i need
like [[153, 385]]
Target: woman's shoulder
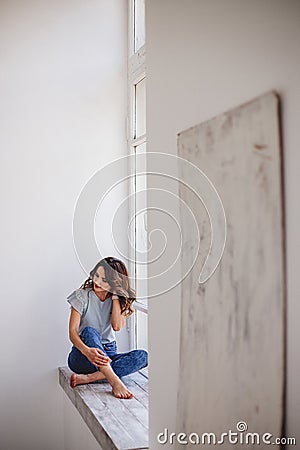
[[79, 300]]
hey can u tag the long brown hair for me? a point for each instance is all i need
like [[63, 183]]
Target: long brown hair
[[116, 274]]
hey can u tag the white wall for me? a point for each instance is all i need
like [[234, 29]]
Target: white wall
[[62, 117], [76, 432], [204, 57]]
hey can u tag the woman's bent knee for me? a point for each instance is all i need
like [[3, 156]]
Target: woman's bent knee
[[143, 357], [89, 330]]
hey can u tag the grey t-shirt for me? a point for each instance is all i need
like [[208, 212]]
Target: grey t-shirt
[[94, 312]]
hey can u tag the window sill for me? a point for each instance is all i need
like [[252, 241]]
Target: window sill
[[116, 424]]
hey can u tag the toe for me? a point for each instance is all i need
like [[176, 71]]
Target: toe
[[73, 380], [117, 394]]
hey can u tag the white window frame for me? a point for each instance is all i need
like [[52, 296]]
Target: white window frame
[[136, 71]]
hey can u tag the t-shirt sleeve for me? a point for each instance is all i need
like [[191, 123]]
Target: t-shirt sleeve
[[77, 301]]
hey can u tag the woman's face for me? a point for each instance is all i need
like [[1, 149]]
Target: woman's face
[[100, 283]]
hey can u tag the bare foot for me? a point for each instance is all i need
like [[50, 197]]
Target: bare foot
[[119, 390], [85, 379]]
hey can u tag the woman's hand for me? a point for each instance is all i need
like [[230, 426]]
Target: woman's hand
[[97, 357]]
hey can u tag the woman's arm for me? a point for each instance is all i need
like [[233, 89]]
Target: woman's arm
[[95, 355], [73, 331], [117, 319]]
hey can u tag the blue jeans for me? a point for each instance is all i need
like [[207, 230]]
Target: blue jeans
[[122, 363]]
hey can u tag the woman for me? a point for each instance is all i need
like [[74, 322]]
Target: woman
[[98, 309]]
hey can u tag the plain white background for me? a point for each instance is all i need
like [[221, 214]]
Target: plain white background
[[62, 117]]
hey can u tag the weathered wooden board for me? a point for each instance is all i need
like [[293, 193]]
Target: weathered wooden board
[[116, 424], [232, 355]]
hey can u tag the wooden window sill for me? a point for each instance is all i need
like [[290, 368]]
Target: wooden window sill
[[116, 424]]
